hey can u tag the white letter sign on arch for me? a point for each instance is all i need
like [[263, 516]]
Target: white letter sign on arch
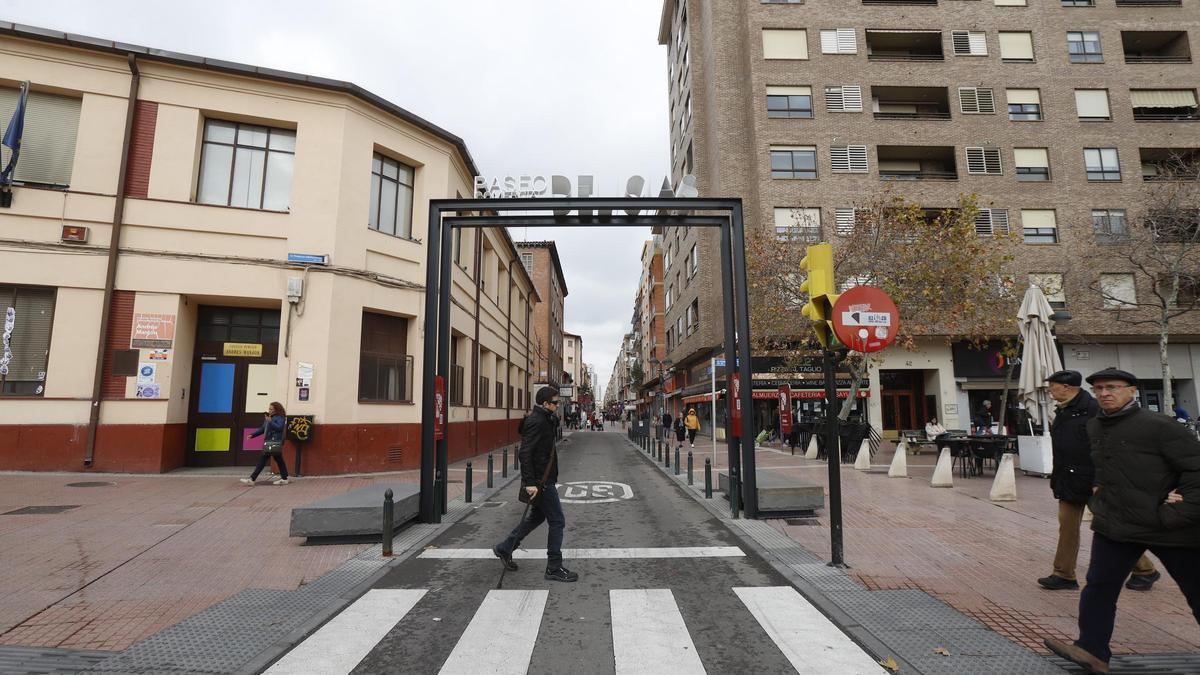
[[593, 492]]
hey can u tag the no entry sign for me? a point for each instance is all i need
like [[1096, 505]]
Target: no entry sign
[[865, 319]]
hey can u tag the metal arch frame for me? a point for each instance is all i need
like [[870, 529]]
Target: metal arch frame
[[581, 212]]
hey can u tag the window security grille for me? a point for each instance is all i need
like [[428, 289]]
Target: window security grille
[[983, 161], [976, 100], [969, 43], [844, 221], [849, 158], [843, 98], [991, 222]]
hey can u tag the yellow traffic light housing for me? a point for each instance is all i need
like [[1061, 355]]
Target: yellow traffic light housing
[[820, 286]]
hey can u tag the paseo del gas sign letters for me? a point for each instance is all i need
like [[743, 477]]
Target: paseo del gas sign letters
[[561, 187]]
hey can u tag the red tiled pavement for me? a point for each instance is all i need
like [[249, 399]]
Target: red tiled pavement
[[980, 557], [150, 551]]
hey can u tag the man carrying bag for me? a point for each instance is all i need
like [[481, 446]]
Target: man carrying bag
[[539, 474]]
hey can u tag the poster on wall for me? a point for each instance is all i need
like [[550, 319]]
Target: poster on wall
[[304, 374], [153, 331], [147, 373], [148, 390], [10, 322]]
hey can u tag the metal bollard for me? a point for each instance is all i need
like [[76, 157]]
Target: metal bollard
[[386, 534], [491, 462], [676, 460], [504, 463], [467, 485], [707, 478], [666, 457], [516, 459], [734, 503], [691, 481]]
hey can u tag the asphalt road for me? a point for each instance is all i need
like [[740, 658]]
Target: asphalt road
[[574, 631]]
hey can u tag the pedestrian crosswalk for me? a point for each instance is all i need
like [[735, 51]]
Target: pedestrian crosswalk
[[649, 633]]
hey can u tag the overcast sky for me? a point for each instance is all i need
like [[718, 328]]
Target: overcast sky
[[533, 86]]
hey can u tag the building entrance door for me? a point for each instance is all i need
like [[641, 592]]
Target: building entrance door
[[233, 380], [902, 398]]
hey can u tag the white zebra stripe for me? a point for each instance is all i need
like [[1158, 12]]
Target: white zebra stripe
[[809, 640], [590, 553], [649, 635], [501, 635]]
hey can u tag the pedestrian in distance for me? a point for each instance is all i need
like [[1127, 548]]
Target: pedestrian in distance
[[274, 421], [693, 426], [1146, 496], [680, 432], [1071, 481], [666, 425], [539, 474]]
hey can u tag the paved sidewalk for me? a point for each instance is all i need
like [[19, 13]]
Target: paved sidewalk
[[141, 553], [982, 558]]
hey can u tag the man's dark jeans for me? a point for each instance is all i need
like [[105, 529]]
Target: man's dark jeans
[[545, 508], [1110, 565]]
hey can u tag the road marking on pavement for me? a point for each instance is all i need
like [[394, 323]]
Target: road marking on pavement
[[594, 492], [649, 635], [342, 642], [809, 640], [501, 635], [590, 553]]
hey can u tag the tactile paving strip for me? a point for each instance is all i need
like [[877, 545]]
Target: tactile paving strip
[[1183, 663], [44, 661]]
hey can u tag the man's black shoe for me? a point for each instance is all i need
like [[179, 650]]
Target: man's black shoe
[[561, 574], [1057, 583], [505, 559], [1142, 582]]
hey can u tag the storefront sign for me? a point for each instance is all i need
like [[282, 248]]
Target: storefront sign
[[242, 349], [988, 361], [153, 331]]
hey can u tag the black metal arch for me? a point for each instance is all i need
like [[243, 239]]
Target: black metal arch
[[588, 212]]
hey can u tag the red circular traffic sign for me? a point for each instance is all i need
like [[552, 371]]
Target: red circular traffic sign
[[865, 319]]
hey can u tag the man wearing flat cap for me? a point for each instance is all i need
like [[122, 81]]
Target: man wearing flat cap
[[1146, 497], [1071, 481]]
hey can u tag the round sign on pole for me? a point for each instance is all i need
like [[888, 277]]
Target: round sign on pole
[[865, 319]]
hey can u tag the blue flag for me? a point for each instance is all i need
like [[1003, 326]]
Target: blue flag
[[13, 134]]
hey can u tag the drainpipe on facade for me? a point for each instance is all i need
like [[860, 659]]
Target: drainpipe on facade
[[110, 276]]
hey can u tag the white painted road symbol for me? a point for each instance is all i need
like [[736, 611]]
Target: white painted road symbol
[[593, 492]]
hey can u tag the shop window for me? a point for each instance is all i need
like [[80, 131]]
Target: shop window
[[384, 367], [246, 165], [25, 351], [391, 196]]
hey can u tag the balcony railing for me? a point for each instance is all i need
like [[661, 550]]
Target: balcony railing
[[899, 2], [1137, 3], [918, 175], [904, 56], [1170, 177], [1165, 117], [912, 116], [1157, 58]]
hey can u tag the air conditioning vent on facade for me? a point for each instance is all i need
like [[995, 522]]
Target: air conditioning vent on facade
[[395, 454]]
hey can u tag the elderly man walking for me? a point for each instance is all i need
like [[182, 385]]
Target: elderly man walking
[[1147, 496], [1072, 479]]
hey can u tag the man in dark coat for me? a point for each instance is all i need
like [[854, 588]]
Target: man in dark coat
[[539, 432], [1147, 496], [1071, 481], [666, 425]]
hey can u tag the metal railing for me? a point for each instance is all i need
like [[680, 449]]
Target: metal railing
[[1156, 58], [904, 56], [1165, 117], [912, 116], [921, 175]]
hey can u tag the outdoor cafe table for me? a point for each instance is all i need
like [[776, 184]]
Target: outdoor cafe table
[[969, 452]]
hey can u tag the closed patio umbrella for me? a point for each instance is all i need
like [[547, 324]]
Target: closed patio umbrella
[[1039, 358]]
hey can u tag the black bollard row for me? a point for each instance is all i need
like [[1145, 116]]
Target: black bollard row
[[467, 484], [707, 478], [691, 481], [504, 462], [734, 501], [490, 469], [677, 460]]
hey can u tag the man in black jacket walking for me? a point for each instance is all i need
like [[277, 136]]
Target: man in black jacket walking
[[1071, 481], [1147, 496], [539, 432]]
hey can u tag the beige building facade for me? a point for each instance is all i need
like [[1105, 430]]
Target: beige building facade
[[271, 249], [1056, 114]]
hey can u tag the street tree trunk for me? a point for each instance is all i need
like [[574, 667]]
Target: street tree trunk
[[1168, 394]]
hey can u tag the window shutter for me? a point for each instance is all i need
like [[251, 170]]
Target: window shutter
[[852, 98], [961, 41], [844, 221], [1092, 103], [840, 158], [991, 222], [968, 99], [30, 341], [1023, 96], [857, 157], [48, 142], [833, 99], [999, 221], [829, 42], [983, 161], [785, 44], [1016, 45], [1031, 157], [847, 42], [978, 44], [987, 101]]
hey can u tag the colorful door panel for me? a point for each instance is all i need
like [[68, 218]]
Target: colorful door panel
[[216, 387], [260, 387], [212, 440]]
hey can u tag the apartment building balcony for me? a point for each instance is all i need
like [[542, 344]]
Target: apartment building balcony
[[1170, 164], [899, 2], [910, 103], [904, 45], [1157, 46], [916, 162], [1149, 3], [1164, 105]]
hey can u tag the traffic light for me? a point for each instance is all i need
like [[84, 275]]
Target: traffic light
[[820, 286]]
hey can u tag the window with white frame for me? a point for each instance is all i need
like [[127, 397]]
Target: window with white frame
[[693, 316], [1052, 285], [1084, 47], [976, 100], [693, 263], [983, 161], [391, 196], [848, 158], [969, 43], [1102, 164], [843, 98], [1032, 164], [667, 298], [1024, 105], [1118, 291], [785, 43], [798, 224], [246, 165], [839, 41], [1039, 226], [1092, 104], [991, 222], [1015, 45]]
